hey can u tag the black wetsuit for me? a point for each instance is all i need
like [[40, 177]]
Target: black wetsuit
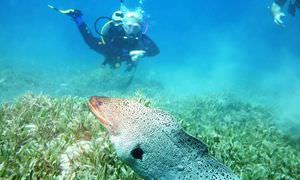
[[293, 5], [117, 45]]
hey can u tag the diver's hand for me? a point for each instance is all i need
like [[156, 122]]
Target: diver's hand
[[137, 54], [74, 13], [277, 14]]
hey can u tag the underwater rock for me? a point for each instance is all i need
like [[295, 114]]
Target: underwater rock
[[154, 144]]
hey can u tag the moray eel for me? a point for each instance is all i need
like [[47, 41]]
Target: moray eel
[[153, 144]]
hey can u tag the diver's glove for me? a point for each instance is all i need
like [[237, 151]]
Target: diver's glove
[[277, 14], [137, 54], [74, 13]]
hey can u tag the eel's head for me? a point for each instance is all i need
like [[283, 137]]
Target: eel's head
[[125, 120], [105, 112], [119, 116]]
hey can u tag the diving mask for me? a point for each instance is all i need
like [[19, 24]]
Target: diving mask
[[132, 23]]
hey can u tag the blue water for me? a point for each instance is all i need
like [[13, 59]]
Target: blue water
[[206, 47]]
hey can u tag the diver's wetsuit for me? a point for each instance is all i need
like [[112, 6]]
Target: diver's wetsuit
[[293, 4], [117, 45]]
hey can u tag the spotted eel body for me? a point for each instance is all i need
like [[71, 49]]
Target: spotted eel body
[[153, 144]]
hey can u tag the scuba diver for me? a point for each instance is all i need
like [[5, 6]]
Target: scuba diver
[[122, 38], [276, 9]]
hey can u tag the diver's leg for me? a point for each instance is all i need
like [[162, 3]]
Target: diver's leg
[[114, 64], [130, 66]]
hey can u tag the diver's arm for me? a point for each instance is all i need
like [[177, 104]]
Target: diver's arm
[[90, 40], [149, 46], [76, 15]]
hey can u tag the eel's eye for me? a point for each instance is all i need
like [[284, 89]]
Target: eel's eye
[[137, 153], [99, 103]]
